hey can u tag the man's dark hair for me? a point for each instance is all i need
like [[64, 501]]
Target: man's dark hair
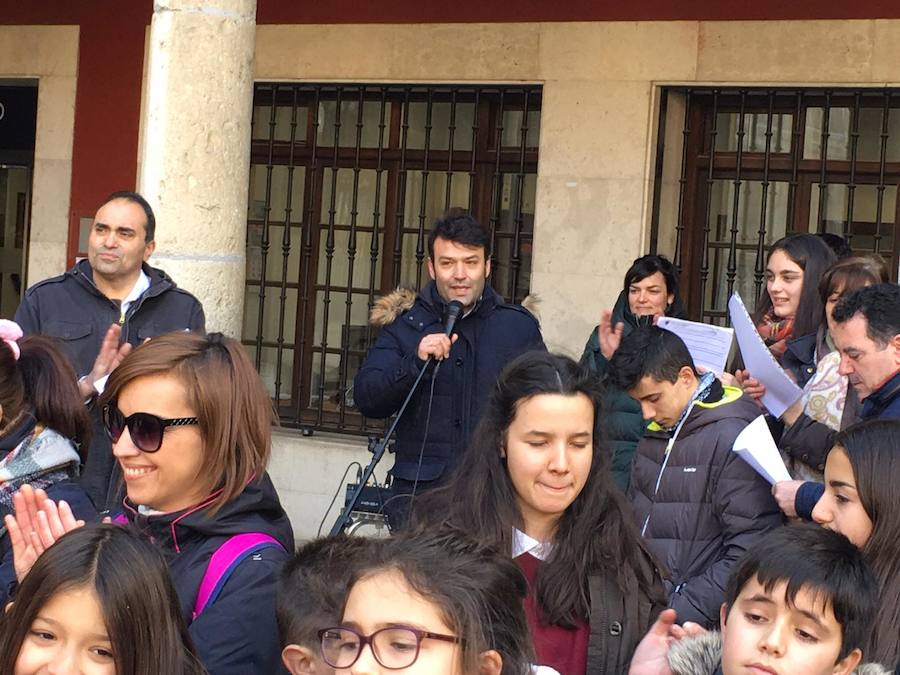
[[313, 586], [811, 558], [648, 265], [459, 226], [879, 306], [839, 246], [135, 198], [649, 350]]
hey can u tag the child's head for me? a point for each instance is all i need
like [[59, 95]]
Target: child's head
[[655, 367], [311, 593], [434, 603], [99, 602], [37, 378], [862, 490], [800, 602]]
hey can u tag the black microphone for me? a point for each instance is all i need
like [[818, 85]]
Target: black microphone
[[454, 309]]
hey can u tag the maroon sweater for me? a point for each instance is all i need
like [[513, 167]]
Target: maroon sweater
[[564, 649]]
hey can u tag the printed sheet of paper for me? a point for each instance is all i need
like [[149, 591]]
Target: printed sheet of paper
[[781, 391], [709, 345], [756, 446]]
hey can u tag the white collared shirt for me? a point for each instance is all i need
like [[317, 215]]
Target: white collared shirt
[[522, 543], [141, 285]]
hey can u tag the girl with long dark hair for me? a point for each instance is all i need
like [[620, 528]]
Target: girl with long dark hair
[[535, 482], [100, 602], [862, 490], [790, 307]]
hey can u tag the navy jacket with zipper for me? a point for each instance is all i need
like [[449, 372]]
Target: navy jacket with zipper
[[237, 634], [490, 336], [71, 309]]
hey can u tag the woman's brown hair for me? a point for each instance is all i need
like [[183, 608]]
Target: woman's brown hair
[[851, 274], [230, 401], [42, 382]]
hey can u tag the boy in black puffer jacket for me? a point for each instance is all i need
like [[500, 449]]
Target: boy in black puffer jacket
[[698, 504]]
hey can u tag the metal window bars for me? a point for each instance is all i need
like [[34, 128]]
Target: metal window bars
[[349, 178], [759, 163]]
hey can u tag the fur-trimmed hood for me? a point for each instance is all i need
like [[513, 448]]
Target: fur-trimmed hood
[[702, 655], [388, 307]]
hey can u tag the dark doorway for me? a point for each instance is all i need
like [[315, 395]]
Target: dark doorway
[[18, 121]]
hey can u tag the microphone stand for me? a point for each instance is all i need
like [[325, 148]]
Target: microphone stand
[[343, 520]]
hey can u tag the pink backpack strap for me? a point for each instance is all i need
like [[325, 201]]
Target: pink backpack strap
[[224, 561]]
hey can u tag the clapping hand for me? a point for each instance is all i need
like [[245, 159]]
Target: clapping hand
[[38, 522]]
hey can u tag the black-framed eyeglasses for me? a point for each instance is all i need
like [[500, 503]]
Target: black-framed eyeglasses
[[146, 430], [394, 647]]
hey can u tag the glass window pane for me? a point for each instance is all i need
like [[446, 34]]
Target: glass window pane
[[262, 121], [512, 128], [439, 137], [838, 133], [749, 216], [271, 315], [350, 120], [509, 196], [337, 308], [435, 202], [342, 180], [727, 128], [341, 260], [268, 366], [870, 127]]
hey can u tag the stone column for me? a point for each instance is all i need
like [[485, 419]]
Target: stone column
[[194, 166]]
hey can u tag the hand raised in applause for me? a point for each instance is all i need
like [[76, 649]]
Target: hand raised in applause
[[38, 522], [108, 358], [609, 336]]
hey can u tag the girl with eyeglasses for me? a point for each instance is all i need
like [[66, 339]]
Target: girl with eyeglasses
[[190, 423], [439, 602], [535, 484], [43, 422], [98, 602]]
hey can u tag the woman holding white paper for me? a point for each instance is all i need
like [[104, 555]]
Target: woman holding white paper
[[650, 291], [790, 309]]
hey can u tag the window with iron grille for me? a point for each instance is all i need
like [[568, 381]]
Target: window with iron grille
[[738, 168], [345, 183]]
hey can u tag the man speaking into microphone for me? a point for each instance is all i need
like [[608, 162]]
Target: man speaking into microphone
[[462, 366]]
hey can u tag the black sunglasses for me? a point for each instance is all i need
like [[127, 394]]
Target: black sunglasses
[[146, 430]]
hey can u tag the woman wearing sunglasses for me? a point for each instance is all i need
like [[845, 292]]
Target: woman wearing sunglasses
[[190, 422]]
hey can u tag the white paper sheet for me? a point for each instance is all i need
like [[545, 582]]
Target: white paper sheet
[[781, 391], [756, 446], [709, 345]]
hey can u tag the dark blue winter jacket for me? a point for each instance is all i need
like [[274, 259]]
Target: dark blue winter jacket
[[238, 633], [490, 336], [883, 403]]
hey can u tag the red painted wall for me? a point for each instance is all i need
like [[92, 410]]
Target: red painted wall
[[108, 96], [471, 11], [111, 53]]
